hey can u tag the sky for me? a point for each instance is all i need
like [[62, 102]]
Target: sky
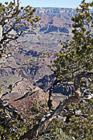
[[51, 3]]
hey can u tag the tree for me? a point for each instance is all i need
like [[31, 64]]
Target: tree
[[13, 22], [74, 60], [70, 64]]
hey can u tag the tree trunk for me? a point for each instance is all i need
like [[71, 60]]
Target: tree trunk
[[50, 94], [42, 126], [15, 3], [1, 32], [18, 4]]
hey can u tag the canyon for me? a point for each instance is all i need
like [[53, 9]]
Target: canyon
[[33, 51]]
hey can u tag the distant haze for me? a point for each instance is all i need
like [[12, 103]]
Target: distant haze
[[51, 3]]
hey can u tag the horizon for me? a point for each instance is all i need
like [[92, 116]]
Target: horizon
[[50, 4]]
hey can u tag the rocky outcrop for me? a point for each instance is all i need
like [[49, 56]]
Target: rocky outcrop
[[55, 19], [23, 95], [64, 30], [43, 29], [52, 28]]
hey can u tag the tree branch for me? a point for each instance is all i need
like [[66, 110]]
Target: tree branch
[[42, 126]]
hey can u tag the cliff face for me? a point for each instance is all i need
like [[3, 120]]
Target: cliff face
[[55, 19], [55, 26], [23, 95], [26, 78]]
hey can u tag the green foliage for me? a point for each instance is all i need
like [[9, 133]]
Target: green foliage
[[76, 55], [74, 58], [54, 132], [79, 126], [10, 87], [15, 18], [13, 125]]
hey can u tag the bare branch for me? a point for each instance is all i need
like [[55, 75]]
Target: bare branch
[[42, 126]]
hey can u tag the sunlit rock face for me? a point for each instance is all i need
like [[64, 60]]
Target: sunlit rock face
[[53, 28]]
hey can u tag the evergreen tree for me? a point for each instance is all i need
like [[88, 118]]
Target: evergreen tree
[[14, 18], [74, 60]]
